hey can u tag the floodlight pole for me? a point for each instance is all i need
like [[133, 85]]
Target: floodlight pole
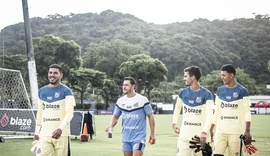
[[3, 63], [30, 56]]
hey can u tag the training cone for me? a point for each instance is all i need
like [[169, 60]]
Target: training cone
[[84, 136]]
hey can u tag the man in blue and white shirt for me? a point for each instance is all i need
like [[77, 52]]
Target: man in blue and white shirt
[[134, 108]]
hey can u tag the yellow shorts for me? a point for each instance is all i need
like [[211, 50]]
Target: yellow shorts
[[184, 150], [60, 147], [227, 141]]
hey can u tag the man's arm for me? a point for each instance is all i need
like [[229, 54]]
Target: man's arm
[[70, 103], [113, 122], [215, 117], [116, 114], [151, 119], [176, 114], [209, 115], [247, 133], [246, 104], [38, 120], [217, 111], [212, 132], [207, 124]]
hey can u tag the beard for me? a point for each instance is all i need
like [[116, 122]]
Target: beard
[[54, 81], [125, 92], [187, 84]]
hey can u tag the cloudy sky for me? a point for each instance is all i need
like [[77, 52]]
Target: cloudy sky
[[154, 11]]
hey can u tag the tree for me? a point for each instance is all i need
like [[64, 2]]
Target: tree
[[165, 91], [243, 42], [268, 65], [213, 81], [16, 62], [83, 78], [108, 56], [148, 72], [51, 49], [109, 92]]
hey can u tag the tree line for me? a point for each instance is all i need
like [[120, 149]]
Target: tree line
[[98, 50]]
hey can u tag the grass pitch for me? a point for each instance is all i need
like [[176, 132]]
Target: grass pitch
[[166, 139]]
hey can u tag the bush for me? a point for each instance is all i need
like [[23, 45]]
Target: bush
[[82, 106], [100, 106], [153, 106]]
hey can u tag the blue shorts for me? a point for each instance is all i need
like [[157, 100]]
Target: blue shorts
[[132, 146]]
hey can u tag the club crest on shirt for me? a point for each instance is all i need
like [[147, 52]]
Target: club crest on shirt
[[191, 101], [235, 95], [57, 95], [198, 99], [228, 97], [136, 104]]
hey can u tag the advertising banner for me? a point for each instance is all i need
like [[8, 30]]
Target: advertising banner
[[23, 120], [19, 120], [105, 112]]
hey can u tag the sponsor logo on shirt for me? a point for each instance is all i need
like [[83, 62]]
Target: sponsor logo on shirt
[[130, 116], [192, 110], [192, 123], [50, 119], [131, 127], [228, 117], [191, 101], [230, 105], [228, 97], [50, 106]]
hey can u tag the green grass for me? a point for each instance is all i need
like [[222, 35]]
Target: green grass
[[166, 139]]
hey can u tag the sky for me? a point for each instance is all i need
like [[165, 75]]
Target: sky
[[151, 11]]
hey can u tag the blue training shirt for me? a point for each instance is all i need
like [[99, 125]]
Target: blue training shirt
[[134, 111]]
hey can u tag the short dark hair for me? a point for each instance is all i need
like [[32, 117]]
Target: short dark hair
[[131, 79], [57, 66], [194, 71], [228, 68]]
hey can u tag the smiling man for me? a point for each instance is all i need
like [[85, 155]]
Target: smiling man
[[232, 114], [134, 109], [197, 106], [55, 111]]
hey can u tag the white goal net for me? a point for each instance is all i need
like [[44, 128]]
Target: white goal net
[[16, 113]]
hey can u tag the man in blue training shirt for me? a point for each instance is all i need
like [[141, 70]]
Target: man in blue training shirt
[[197, 105], [134, 108], [55, 111], [232, 114]]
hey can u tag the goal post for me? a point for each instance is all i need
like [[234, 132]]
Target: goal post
[[16, 113]]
